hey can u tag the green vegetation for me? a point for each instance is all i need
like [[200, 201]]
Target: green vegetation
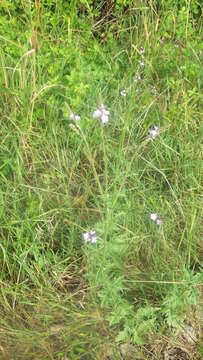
[[136, 292]]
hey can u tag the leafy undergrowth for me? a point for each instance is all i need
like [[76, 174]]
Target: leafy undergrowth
[[133, 177]]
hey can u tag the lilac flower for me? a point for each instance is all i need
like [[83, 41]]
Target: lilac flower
[[154, 217], [154, 132], [104, 118], [74, 117], [86, 237], [93, 236], [77, 117], [102, 114], [159, 222], [90, 236], [97, 114], [123, 93]]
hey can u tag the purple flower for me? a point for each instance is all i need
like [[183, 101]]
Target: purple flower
[[86, 237], [90, 236], [102, 114], [154, 217], [159, 222], [74, 117], [154, 132], [97, 114], [104, 118]]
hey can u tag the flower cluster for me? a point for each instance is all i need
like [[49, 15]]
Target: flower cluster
[[154, 217], [74, 117], [102, 114], [90, 237], [154, 132]]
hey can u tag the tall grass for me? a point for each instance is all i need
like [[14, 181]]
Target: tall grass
[[136, 293]]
